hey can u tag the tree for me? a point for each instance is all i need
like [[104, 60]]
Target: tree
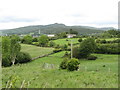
[[43, 40], [10, 49], [86, 48], [14, 48], [6, 51], [73, 32], [61, 35], [27, 39], [35, 40]]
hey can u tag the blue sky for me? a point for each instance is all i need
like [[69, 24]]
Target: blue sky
[[96, 13]]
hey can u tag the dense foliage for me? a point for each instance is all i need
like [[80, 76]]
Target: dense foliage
[[64, 63], [43, 40], [23, 57], [10, 50], [27, 39], [86, 48], [70, 64], [73, 64], [108, 49]]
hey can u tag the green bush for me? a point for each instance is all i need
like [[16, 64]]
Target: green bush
[[66, 54], [64, 63], [91, 57], [51, 44], [56, 50], [23, 57], [6, 60], [73, 64], [108, 49], [103, 41], [64, 47], [80, 40], [35, 39]]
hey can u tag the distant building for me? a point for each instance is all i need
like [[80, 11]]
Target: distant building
[[51, 35], [70, 35]]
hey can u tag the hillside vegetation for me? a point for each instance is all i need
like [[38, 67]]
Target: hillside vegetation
[[52, 28]]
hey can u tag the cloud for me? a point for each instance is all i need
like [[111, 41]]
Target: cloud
[[69, 12], [8, 19]]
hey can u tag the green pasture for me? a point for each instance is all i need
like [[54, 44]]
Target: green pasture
[[35, 51], [66, 41], [101, 73]]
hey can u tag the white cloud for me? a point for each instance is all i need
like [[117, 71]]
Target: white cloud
[[69, 12]]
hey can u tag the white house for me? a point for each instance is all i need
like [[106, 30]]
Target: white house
[[51, 35], [70, 35]]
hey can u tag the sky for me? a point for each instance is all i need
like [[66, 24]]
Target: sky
[[95, 13]]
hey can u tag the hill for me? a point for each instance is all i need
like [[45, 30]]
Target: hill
[[52, 28]]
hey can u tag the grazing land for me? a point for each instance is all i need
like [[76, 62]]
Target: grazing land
[[35, 51], [101, 73]]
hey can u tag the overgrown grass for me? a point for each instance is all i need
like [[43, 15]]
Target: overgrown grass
[[35, 51], [91, 74]]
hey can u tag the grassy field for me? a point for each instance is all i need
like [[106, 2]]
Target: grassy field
[[40, 74], [35, 51], [110, 39], [66, 41]]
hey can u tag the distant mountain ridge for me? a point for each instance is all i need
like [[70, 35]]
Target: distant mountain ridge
[[54, 28]]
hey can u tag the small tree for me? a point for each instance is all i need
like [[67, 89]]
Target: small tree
[[43, 40], [14, 48], [87, 47], [73, 64], [27, 39]]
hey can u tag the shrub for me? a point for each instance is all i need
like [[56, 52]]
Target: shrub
[[73, 64], [35, 39], [64, 47], [91, 57], [66, 54], [80, 40], [98, 41], [57, 46], [103, 41], [69, 44], [52, 44], [108, 49], [64, 63], [56, 50], [23, 57]]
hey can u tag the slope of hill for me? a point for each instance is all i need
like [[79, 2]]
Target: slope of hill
[[51, 28]]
